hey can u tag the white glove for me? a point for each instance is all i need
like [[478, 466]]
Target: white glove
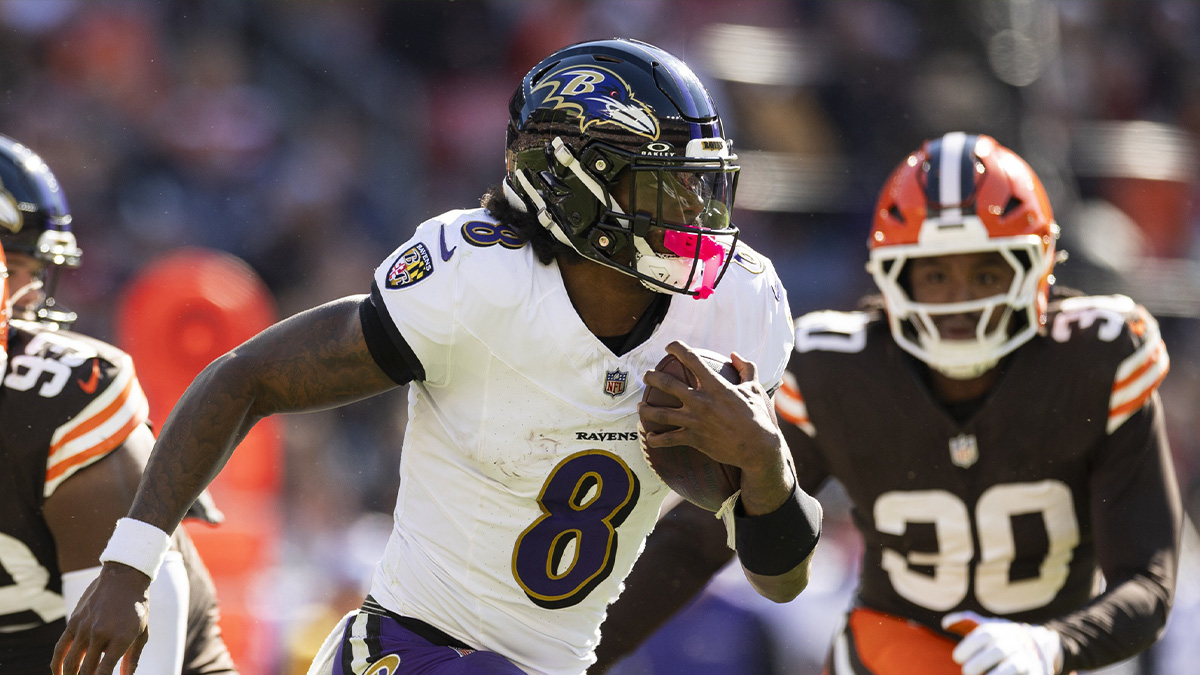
[[1000, 647]]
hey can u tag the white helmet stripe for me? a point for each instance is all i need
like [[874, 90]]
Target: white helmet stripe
[[950, 175]]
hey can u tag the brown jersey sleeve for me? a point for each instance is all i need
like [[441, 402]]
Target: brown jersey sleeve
[[799, 432], [1136, 518], [87, 390]]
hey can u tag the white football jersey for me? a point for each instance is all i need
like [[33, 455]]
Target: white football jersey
[[524, 495]]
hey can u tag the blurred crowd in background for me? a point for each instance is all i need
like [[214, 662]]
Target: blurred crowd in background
[[309, 138]]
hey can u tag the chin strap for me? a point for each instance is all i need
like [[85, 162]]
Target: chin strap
[[510, 195], [565, 158]]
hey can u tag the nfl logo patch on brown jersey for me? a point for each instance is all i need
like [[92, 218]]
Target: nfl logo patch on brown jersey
[[964, 450], [411, 266]]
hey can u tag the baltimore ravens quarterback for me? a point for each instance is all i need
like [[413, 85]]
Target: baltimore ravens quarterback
[[526, 328]]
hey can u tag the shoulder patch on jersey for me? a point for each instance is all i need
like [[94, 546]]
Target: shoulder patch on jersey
[[749, 260], [411, 266], [482, 233]]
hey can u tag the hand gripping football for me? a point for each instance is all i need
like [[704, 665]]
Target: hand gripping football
[[692, 474]]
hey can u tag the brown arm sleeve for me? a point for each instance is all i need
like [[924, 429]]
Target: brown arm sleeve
[[1136, 518]]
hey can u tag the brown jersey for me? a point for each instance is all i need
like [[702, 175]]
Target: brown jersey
[[68, 400], [1010, 508]]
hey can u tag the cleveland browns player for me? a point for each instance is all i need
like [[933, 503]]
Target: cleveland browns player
[[1001, 445], [526, 328], [73, 441]]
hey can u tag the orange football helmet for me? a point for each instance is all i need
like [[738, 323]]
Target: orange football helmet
[[964, 193]]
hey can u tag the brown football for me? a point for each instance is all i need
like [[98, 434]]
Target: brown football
[[692, 474]]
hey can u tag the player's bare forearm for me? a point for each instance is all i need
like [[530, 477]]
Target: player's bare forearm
[[317, 359], [770, 481]]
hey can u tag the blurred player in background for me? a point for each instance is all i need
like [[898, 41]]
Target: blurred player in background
[[525, 328], [999, 446], [74, 439]]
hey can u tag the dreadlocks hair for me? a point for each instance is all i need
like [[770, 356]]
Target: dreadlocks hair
[[545, 247]]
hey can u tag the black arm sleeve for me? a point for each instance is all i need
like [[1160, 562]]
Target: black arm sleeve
[[387, 346], [1136, 517]]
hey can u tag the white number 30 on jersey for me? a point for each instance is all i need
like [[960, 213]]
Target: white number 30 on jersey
[[995, 591]]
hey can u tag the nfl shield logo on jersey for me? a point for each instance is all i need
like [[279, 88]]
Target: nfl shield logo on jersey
[[964, 451], [614, 382]]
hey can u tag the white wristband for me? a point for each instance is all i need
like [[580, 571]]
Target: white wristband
[[137, 544]]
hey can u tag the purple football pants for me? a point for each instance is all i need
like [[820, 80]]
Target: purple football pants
[[378, 645]]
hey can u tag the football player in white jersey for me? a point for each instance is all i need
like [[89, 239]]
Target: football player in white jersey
[[525, 328]]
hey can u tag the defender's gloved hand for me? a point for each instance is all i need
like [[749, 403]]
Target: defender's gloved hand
[[1000, 647]]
